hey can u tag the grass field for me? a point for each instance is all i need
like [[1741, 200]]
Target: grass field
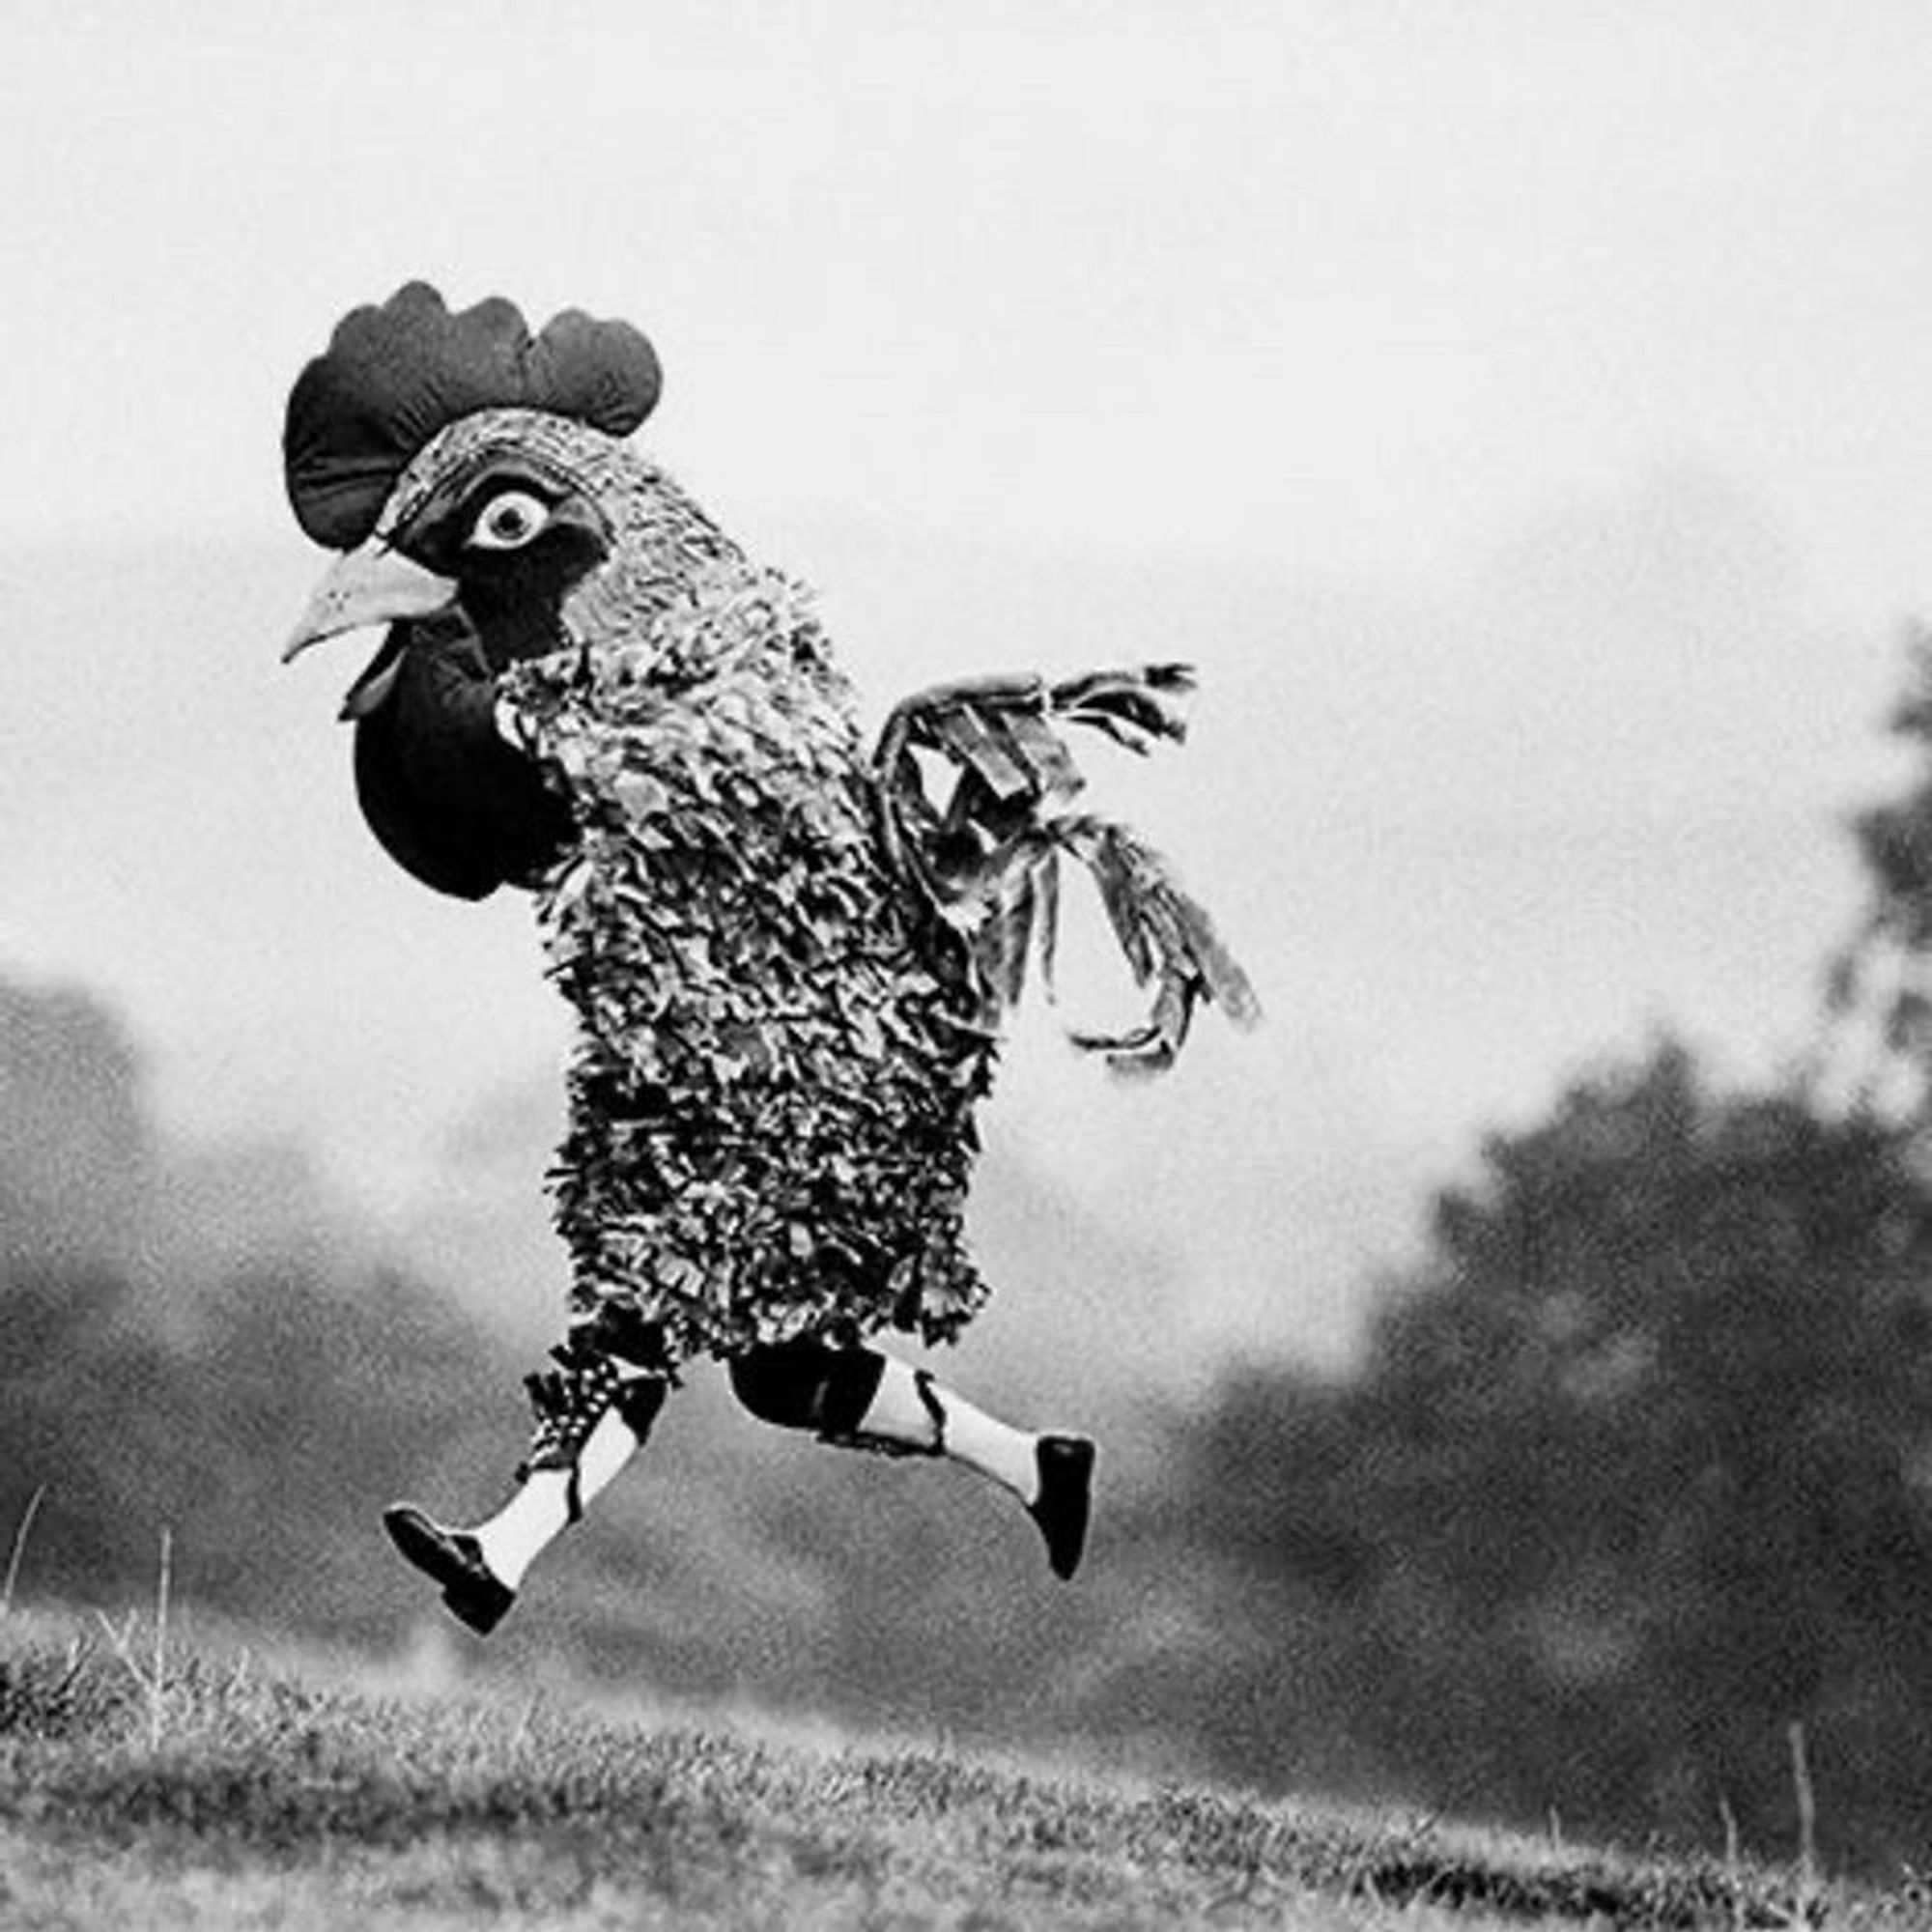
[[149, 1782]]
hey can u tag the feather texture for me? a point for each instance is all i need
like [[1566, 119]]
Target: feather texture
[[773, 1087]]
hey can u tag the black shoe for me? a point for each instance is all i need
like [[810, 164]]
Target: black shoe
[[1066, 1483], [472, 1589]]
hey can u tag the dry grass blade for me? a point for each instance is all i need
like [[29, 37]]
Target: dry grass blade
[[1807, 1821], [152, 1677], [19, 1549]]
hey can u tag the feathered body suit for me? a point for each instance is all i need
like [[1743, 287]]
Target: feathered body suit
[[771, 1101], [788, 957]]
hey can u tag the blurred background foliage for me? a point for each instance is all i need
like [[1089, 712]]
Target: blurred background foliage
[[1632, 1473]]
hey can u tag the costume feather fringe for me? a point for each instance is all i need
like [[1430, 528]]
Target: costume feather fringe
[[987, 859]]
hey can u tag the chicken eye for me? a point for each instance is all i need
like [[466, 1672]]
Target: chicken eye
[[508, 521]]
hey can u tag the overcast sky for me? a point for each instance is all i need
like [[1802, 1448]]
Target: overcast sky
[[1522, 411]]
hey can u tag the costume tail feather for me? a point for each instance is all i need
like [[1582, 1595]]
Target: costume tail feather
[[987, 859], [1136, 708], [1167, 939]]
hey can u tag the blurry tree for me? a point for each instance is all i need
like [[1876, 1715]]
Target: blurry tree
[[260, 1409], [1880, 990], [265, 1439], [76, 1158], [1637, 1473]]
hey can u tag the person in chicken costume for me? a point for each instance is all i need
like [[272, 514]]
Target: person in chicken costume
[[788, 952]]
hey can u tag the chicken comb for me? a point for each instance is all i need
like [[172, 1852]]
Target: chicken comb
[[395, 374]]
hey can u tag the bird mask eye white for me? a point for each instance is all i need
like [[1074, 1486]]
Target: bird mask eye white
[[509, 520]]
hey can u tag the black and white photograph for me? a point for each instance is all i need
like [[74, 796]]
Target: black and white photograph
[[966, 969]]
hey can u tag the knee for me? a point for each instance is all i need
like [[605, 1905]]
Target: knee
[[805, 1384], [617, 1329]]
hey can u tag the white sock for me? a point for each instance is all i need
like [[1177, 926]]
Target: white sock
[[899, 1413], [539, 1510]]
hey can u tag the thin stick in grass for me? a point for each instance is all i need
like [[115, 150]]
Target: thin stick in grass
[[1808, 1815], [19, 1549], [153, 1677]]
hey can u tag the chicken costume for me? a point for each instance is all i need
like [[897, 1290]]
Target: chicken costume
[[788, 952]]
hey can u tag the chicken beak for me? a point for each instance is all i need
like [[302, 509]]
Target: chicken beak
[[374, 584]]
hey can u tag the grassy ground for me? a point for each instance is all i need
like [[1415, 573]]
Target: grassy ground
[[147, 1784]]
